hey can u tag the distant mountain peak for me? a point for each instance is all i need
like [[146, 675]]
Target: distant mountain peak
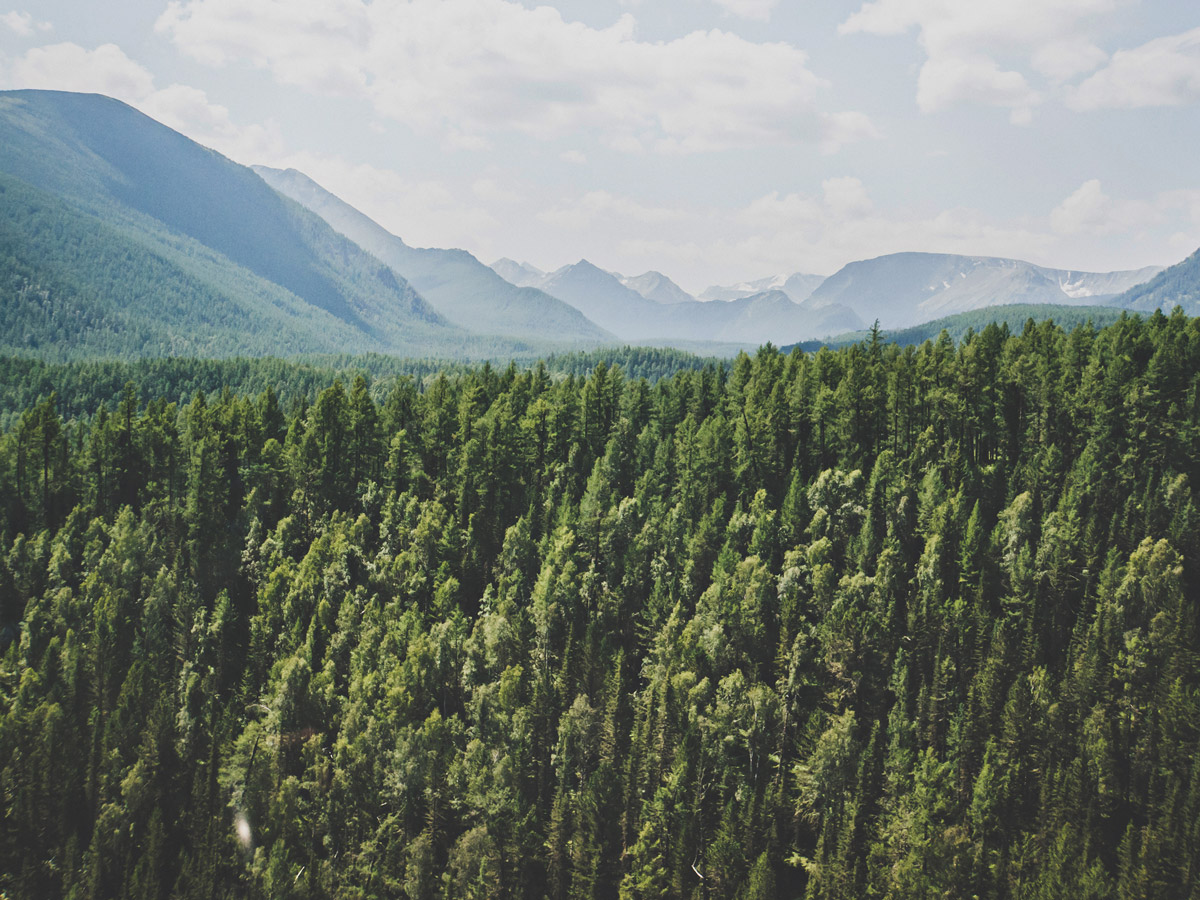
[[474, 296], [797, 286], [522, 274], [657, 287], [904, 289]]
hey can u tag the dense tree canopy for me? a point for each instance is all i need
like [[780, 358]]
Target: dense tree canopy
[[876, 622]]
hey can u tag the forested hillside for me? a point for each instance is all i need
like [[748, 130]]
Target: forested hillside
[[1177, 286], [122, 238], [454, 282], [874, 622], [81, 388], [1010, 317]]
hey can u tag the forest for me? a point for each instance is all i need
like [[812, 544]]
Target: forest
[[877, 621]]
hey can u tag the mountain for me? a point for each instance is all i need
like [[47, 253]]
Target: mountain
[[1177, 286], [455, 283], [755, 319], [903, 289], [521, 274], [657, 287], [801, 286], [956, 326], [768, 316], [72, 285], [743, 289], [128, 238], [601, 297]]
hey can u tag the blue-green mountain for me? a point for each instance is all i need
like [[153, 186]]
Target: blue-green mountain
[[120, 236], [454, 282], [1177, 286]]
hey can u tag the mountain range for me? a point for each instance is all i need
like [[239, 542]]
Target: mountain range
[[652, 308], [122, 237], [459, 286], [579, 302], [903, 289], [125, 237], [898, 290]]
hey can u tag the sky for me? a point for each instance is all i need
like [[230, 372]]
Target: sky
[[715, 141]]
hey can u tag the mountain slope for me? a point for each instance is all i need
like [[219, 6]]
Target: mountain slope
[[760, 317], [601, 297], [71, 285], [657, 287], [903, 289], [767, 316], [520, 274], [743, 289], [212, 228], [1014, 316], [1177, 286], [800, 286], [455, 283]]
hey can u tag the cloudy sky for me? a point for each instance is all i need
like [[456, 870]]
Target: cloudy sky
[[713, 140]]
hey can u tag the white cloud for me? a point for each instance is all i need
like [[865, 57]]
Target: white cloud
[[22, 23], [952, 25], [947, 80], [1184, 242], [107, 70], [774, 210], [846, 128], [586, 211], [840, 233], [964, 41], [495, 192], [836, 222], [786, 233], [69, 67], [749, 9], [188, 110], [842, 198], [422, 212], [1085, 210], [314, 43], [467, 68], [1061, 60], [846, 197], [1162, 72], [576, 157], [1089, 211], [782, 233]]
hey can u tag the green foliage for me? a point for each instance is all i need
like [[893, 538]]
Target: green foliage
[[1178, 285], [1009, 317], [122, 238], [869, 622]]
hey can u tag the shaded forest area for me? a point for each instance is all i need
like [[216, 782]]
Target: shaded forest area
[[871, 622]]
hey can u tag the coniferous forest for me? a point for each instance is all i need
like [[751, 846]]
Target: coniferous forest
[[874, 622]]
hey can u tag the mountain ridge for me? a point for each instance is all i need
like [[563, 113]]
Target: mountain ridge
[[1177, 285], [168, 201], [657, 287], [769, 315], [455, 283], [903, 289]]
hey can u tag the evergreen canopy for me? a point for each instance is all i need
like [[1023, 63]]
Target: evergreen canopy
[[869, 622]]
